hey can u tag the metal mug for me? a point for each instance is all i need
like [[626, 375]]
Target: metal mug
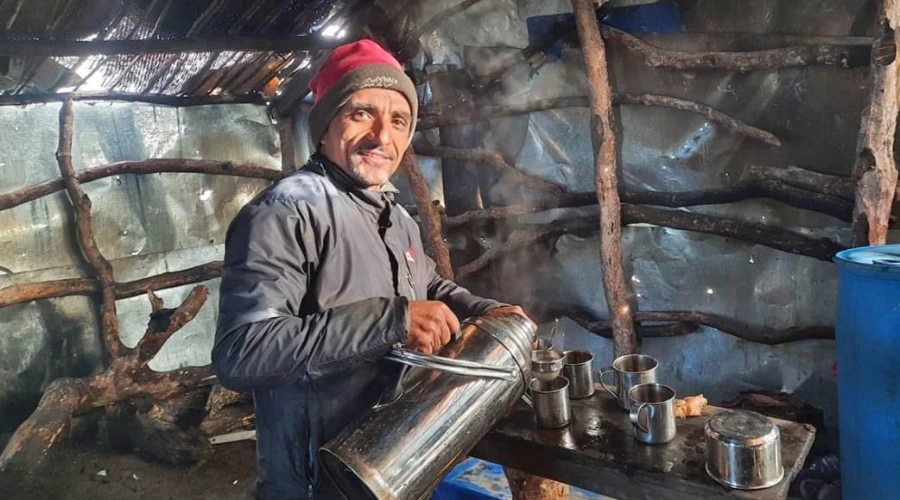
[[630, 370], [551, 402], [653, 413], [579, 371]]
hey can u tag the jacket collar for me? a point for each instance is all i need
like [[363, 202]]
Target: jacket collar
[[345, 182]]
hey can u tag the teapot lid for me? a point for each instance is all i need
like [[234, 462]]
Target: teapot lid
[[743, 427]]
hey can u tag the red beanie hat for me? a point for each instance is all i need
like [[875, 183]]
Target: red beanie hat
[[349, 68]]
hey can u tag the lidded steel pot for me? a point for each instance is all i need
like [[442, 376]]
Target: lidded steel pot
[[743, 450]]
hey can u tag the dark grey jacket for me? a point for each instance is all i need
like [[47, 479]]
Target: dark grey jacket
[[317, 279]]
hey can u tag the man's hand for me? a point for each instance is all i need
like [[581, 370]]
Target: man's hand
[[431, 325], [506, 310]]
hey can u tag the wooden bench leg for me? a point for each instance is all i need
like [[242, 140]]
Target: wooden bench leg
[[528, 487]]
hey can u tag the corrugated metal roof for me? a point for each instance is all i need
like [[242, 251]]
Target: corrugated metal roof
[[181, 73]]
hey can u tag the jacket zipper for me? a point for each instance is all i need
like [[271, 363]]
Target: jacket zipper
[[412, 283]]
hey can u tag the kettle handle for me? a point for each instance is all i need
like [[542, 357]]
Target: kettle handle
[[450, 365]]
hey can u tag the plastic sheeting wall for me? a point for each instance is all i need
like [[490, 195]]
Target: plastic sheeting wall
[[157, 223], [145, 225], [815, 112]]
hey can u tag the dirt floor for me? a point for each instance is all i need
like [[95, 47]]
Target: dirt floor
[[78, 475]]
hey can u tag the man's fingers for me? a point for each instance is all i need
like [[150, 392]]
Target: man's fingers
[[452, 321], [445, 334]]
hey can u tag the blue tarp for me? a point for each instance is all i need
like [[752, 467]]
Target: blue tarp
[[660, 17]]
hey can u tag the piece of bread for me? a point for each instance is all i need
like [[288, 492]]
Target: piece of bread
[[691, 406]]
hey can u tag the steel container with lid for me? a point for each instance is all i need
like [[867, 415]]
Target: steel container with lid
[[402, 449], [867, 331], [743, 450]]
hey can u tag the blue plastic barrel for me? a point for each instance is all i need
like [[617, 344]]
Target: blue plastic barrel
[[868, 367]]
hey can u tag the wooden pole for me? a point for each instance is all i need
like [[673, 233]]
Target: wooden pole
[[817, 54], [158, 99], [433, 238], [21, 293], [82, 206], [150, 166], [604, 141], [875, 172], [745, 189], [677, 323], [772, 237], [288, 144], [433, 118]]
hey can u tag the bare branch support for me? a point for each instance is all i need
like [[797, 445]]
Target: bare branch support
[[603, 139], [82, 205], [157, 99], [151, 166], [677, 323], [804, 55], [459, 116], [780, 239], [27, 292], [494, 158], [431, 219], [875, 172]]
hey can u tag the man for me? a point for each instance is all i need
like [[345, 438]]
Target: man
[[324, 273]]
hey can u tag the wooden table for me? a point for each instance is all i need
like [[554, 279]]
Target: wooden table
[[597, 452]]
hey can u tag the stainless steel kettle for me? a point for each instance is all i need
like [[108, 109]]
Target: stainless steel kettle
[[401, 450]]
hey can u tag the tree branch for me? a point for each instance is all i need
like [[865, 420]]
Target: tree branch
[[780, 239], [849, 52], [603, 139], [157, 334], [730, 326], [27, 292], [460, 116], [82, 206], [786, 57], [744, 190], [875, 172], [157, 99], [786, 241], [522, 238], [172, 279], [151, 166], [126, 378], [809, 180], [731, 124], [478, 155], [431, 219]]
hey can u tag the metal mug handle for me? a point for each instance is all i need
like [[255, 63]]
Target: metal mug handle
[[449, 365], [603, 384], [635, 416]]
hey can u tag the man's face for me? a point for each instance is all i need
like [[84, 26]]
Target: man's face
[[368, 136]]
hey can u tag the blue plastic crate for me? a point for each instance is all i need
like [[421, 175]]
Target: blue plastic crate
[[476, 479]]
